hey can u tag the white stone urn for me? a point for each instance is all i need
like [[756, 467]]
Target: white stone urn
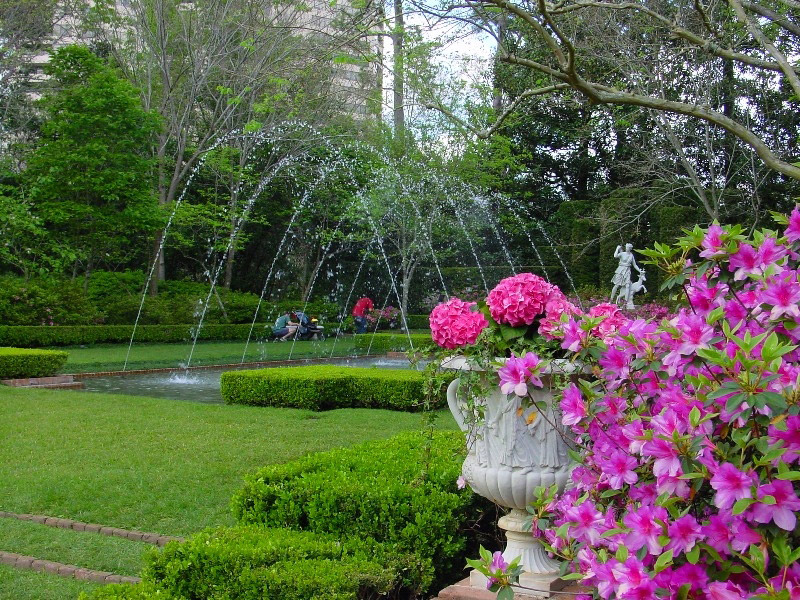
[[510, 454]]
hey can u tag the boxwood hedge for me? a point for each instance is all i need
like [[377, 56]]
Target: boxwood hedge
[[254, 563], [325, 387], [74, 335], [376, 343], [23, 362], [401, 492]]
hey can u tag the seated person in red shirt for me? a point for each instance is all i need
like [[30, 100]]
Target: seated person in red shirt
[[360, 313]]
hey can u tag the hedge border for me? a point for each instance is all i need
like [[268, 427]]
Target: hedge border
[[17, 363]]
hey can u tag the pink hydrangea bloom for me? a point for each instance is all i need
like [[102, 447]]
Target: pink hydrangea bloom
[[519, 300], [614, 319], [456, 323], [557, 304]]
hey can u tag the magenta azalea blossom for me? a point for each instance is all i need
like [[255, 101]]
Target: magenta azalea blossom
[[683, 534], [645, 528], [573, 408], [587, 522], [783, 296], [745, 262], [731, 485], [712, 242], [792, 232], [782, 512], [695, 333], [789, 436], [517, 373], [619, 469]]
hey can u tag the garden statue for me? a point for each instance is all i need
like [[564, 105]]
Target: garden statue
[[622, 276]]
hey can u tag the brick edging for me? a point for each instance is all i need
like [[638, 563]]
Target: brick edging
[[137, 536], [21, 561]]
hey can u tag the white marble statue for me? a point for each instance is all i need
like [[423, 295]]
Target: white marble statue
[[622, 277]]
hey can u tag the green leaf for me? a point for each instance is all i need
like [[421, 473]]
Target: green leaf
[[512, 333], [693, 555], [789, 476], [505, 593], [622, 553], [742, 505], [663, 561]]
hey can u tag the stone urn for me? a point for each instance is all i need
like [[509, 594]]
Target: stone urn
[[510, 453]]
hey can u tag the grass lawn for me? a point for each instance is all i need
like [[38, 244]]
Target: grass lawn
[[111, 357], [145, 463], [16, 584]]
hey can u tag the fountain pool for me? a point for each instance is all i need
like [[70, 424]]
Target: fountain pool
[[202, 385]]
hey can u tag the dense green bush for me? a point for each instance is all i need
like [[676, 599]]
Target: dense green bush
[[255, 563], [376, 343], [44, 302], [36, 337], [400, 491], [325, 387], [22, 362], [418, 321]]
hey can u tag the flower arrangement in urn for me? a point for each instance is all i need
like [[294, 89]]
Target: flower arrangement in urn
[[687, 436]]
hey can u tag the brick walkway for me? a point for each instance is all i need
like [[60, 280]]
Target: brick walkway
[[20, 561], [138, 536]]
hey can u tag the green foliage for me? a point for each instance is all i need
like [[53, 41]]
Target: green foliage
[[325, 387], [125, 591], [74, 335], [253, 563], [22, 362], [376, 343], [91, 176], [44, 301], [400, 491]]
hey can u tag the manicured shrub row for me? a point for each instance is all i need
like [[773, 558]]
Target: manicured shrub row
[[254, 563], [400, 491], [74, 335], [376, 343], [325, 387], [22, 362], [418, 322]]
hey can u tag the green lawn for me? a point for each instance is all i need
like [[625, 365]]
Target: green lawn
[[145, 463], [111, 357], [16, 584]]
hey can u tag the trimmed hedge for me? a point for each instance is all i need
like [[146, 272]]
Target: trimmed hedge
[[418, 321], [401, 492], [74, 335], [255, 563], [325, 387], [390, 342], [22, 362]]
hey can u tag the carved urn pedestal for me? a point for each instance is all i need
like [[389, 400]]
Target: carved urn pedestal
[[510, 453]]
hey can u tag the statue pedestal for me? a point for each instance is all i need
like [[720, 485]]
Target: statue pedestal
[[467, 590]]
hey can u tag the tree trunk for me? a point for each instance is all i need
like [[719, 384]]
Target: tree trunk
[[399, 115]]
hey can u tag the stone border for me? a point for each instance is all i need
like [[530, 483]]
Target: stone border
[[268, 363], [20, 561], [136, 536]]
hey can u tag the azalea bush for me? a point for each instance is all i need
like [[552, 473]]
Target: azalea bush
[[688, 434]]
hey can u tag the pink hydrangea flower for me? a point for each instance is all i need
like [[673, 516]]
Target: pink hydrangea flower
[[456, 323], [556, 305], [519, 300], [614, 319]]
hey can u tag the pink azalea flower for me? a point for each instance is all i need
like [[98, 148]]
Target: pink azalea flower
[[745, 262], [782, 513], [718, 533], [783, 295], [461, 483], [667, 461], [557, 304], [644, 590], [696, 333], [724, 591], [573, 408], [790, 437], [683, 534], [456, 323], [694, 575], [587, 522], [517, 373], [518, 300], [615, 362], [743, 536], [619, 469], [645, 531], [792, 232], [731, 485], [770, 253], [630, 576], [712, 242], [574, 336]]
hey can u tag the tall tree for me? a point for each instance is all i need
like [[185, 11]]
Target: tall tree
[[90, 179]]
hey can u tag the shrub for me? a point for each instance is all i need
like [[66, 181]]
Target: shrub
[[35, 337], [376, 343], [22, 362], [401, 492], [325, 387], [44, 302], [254, 563]]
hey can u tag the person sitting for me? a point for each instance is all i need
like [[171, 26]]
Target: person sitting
[[360, 310], [285, 326]]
